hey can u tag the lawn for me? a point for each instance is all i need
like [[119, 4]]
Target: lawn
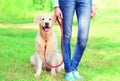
[[100, 61]]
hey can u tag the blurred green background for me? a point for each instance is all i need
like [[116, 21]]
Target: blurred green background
[[101, 59], [22, 11]]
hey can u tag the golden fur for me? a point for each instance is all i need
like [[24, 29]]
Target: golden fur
[[53, 57]]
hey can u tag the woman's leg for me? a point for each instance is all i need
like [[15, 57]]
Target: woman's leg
[[83, 11], [67, 8]]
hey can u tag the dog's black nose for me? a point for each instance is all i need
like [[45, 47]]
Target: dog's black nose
[[47, 24]]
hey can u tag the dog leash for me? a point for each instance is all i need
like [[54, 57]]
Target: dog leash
[[45, 47]]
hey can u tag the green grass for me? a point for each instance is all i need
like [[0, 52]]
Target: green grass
[[100, 61]]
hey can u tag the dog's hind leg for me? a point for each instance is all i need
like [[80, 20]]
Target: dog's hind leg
[[33, 60]]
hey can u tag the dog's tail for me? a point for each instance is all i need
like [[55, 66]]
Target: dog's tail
[[33, 60]]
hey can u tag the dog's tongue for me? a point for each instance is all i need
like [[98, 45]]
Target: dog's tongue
[[46, 29]]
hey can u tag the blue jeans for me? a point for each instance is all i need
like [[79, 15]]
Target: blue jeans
[[83, 10]]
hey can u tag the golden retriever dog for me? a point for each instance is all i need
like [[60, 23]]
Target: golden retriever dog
[[46, 37]]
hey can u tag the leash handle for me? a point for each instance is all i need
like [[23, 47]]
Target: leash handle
[[56, 66]]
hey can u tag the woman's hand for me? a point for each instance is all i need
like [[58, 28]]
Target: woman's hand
[[93, 11], [58, 13]]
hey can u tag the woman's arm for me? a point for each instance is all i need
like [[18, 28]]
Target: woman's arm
[[57, 11]]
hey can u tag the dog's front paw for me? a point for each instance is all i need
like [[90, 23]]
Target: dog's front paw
[[37, 74], [53, 72]]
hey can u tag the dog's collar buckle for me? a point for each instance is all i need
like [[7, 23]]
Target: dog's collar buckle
[[45, 40], [45, 43]]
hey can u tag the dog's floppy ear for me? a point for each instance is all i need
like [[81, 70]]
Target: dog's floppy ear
[[37, 20]]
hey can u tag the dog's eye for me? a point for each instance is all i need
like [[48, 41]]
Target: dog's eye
[[49, 19], [43, 18]]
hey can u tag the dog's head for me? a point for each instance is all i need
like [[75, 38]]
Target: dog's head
[[45, 22]]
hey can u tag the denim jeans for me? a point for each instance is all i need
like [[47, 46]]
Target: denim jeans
[[83, 10]]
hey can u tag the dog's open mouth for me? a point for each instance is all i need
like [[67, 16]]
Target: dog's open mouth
[[46, 29]]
